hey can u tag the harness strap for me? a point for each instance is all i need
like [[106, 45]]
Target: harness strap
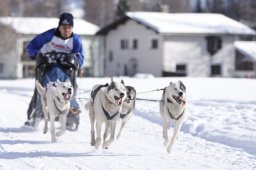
[[174, 117], [108, 115], [123, 115], [60, 112], [94, 92]]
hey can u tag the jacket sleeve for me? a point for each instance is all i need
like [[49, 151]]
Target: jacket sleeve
[[33, 48], [78, 50]]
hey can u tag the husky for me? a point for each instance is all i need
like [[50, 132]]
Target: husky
[[128, 108], [172, 108], [105, 106], [55, 98]]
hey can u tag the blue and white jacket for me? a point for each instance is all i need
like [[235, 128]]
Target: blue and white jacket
[[49, 41]]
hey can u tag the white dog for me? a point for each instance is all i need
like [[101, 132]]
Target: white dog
[[172, 107], [128, 108], [105, 106], [55, 100]]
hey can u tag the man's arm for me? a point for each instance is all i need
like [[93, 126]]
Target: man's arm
[[78, 50], [37, 43]]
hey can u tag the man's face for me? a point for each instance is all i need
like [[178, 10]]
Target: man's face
[[66, 31]]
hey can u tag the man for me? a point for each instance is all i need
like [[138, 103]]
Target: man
[[58, 40]]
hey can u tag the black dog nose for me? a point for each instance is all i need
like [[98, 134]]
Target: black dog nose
[[122, 94], [180, 93], [69, 90]]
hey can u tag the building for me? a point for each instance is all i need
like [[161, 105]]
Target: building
[[16, 32], [171, 44]]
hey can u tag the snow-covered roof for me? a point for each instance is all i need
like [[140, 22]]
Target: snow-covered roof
[[33, 25], [190, 23], [185, 23], [247, 48]]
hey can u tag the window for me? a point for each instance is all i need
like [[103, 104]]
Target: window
[[24, 55], [181, 68], [124, 44], [242, 63], [135, 44], [154, 44], [214, 44], [216, 70], [1, 67], [110, 56]]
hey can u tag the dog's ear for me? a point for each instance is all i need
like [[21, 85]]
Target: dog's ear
[[182, 86], [170, 83], [122, 81]]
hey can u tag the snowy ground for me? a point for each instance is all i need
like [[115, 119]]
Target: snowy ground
[[218, 133]]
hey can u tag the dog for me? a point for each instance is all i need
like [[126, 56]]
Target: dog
[[55, 98], [128, 108], [172, 108], [105, 106]]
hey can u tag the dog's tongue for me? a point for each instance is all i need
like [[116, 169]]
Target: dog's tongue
[[67, 96], [119, 101]]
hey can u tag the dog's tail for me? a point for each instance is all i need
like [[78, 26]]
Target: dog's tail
[[88, 105], [40, 88]]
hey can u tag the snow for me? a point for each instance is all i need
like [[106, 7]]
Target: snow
[[32, 25], [248, 48], [199, 23], [218, 132]]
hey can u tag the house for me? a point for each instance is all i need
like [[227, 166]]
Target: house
[[245, 65], [16, 32], [171, 44]]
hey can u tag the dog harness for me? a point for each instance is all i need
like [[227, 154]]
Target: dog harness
[[108, 115], [173, 116], [94, 92], [123, 115]]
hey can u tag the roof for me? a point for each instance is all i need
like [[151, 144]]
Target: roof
[[247, 48], [32, 25], [185, 23]]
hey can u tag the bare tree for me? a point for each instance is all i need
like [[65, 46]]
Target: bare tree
[[99, 12], [4, 8]]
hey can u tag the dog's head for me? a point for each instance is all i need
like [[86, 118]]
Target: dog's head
[[64, 90], [176, 93], [116, 92], [130, 94]]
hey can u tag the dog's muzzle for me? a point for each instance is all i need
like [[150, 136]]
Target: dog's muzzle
[[119, 100], [67, 96], [178, 99]]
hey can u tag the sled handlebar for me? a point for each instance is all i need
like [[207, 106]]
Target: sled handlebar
[[59, 58]]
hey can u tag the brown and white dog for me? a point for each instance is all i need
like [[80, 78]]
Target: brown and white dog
[[105, 106], [172, 108], [55, 100]]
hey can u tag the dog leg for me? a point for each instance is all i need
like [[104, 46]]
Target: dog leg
[[62, 120], [121, 128], [107, 132], [175, 134], [92, 121], [45, 125], [112, 135], [166, 126], [98, 132], [53, 137]]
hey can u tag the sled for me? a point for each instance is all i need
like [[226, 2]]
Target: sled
[[49, 68]]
